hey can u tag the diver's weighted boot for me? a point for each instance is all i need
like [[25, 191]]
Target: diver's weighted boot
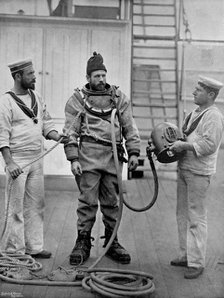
[[116, 251], [81, 250]]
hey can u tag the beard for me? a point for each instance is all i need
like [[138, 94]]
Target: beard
[[98, 87], [26, 85], [32, 86]]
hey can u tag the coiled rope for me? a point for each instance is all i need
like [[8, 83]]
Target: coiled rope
[[105, 281]]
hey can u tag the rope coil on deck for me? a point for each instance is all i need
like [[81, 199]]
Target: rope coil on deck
[[108, 282], [18, 260]]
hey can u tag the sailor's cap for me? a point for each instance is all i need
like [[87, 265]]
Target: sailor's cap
[[20, 65], [211, 83]]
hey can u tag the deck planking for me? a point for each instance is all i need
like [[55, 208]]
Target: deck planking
[[150, 237]]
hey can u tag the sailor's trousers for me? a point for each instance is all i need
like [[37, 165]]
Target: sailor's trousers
[[191, 214], [24, 206]]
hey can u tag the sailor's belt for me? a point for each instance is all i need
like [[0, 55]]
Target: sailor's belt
[[90, 139]]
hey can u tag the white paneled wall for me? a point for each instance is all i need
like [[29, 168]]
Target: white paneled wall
[[60, 51]]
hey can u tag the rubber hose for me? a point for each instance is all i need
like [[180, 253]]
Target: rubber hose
[[95, 281], [139, 283]]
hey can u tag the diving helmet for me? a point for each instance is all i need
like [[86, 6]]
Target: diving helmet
[[162, 137]]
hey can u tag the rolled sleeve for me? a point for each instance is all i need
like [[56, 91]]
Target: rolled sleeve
[[71, 151]]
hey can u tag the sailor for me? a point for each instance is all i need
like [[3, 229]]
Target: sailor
[[91, 156], [203, 129], [24, 121]]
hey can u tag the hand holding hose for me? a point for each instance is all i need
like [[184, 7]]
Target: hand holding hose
[[132, 162], [58, 137], [64, 139]]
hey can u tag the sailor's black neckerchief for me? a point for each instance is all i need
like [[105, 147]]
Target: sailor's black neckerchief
[[32, 113], [193, 125]]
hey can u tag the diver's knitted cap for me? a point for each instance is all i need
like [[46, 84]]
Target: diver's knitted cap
[[95, 63]]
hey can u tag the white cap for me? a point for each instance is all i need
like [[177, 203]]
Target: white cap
[[20, 65], [211, 83]]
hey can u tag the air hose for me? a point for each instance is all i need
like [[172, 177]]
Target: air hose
[[156, 186], [106, 281]]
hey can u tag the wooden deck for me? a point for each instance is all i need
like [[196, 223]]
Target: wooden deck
[[151, 238]]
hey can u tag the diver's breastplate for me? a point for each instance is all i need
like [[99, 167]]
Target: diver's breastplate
[[99, 103]]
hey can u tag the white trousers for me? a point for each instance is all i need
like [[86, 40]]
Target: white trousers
[[191, 215], [24, 207]]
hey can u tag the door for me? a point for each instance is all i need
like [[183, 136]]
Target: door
[[19, 42], [64, 66]]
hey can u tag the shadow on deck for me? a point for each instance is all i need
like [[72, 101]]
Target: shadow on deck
[[151, 238]]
